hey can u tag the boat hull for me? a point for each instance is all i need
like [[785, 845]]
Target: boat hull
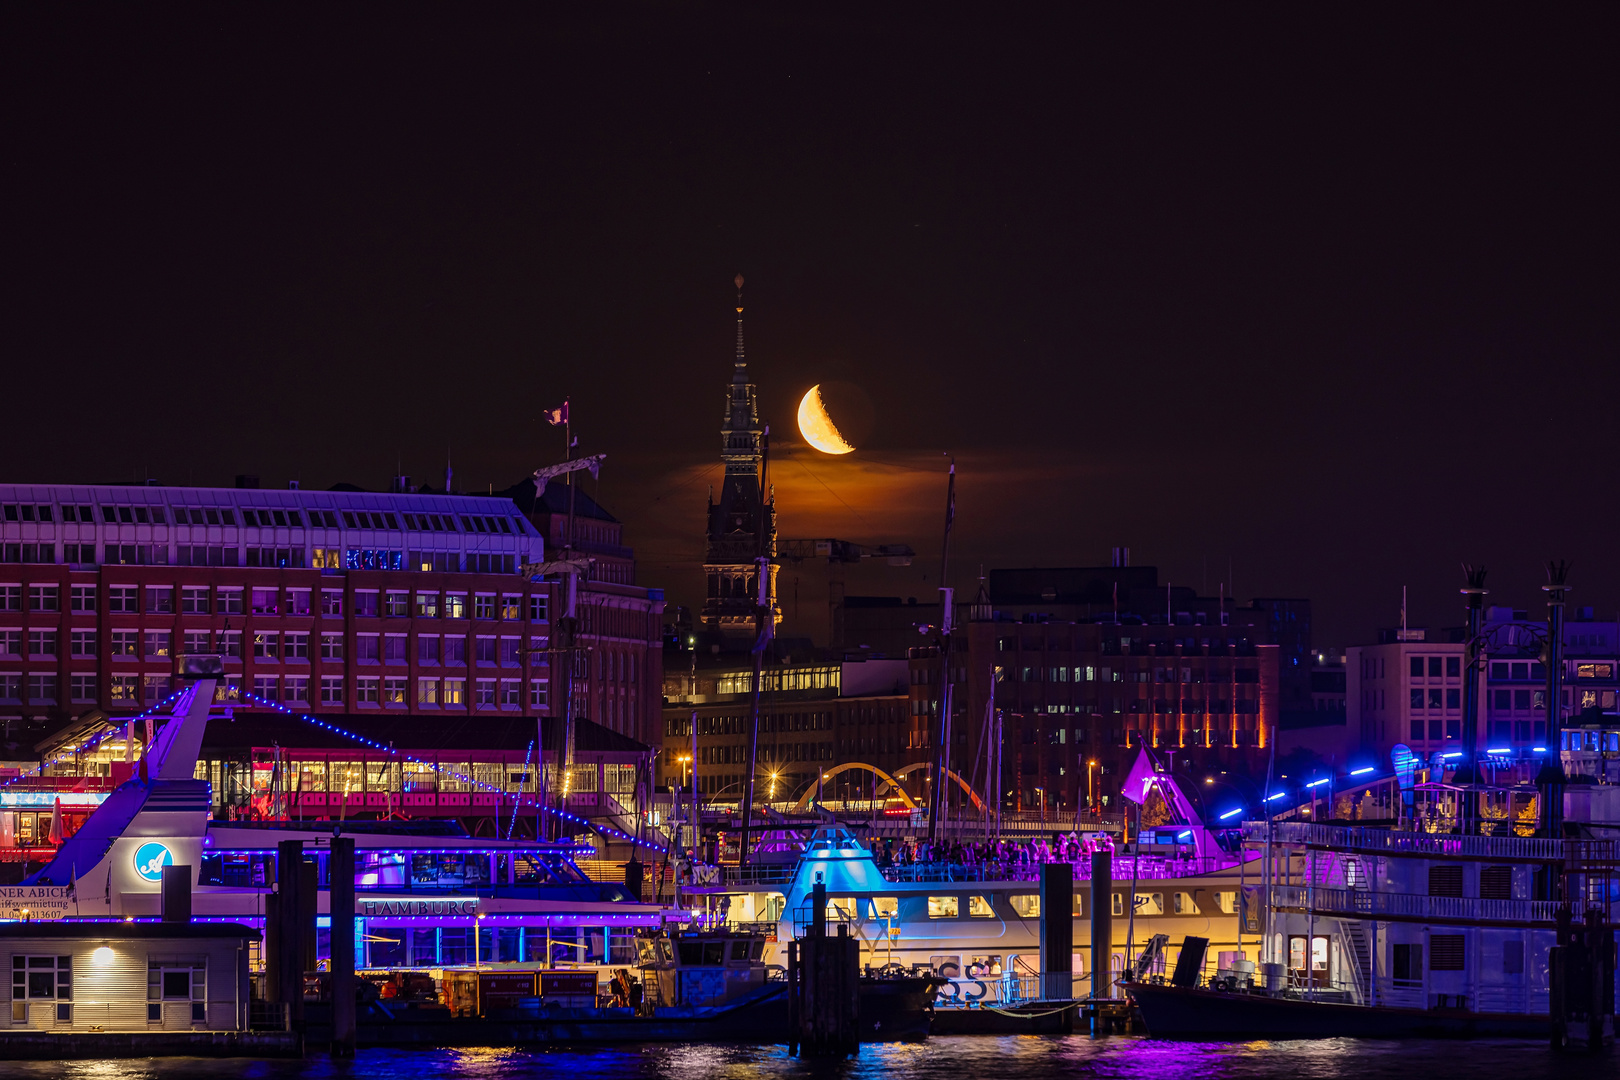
[[890, 1010], [1177, 1012]]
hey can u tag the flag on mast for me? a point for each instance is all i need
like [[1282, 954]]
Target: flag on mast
[[558, 416]]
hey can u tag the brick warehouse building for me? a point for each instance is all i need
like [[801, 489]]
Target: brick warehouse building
[[364, 606]]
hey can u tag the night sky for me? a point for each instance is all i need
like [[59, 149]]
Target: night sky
[[1317, 308]]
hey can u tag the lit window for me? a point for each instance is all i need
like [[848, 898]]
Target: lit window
[[943, 907]]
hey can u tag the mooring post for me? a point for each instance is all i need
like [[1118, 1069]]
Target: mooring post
[[340, 870], [1057, 931], [1102, 935]]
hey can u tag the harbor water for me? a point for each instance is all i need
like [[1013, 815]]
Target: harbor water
[[1023, 1057]]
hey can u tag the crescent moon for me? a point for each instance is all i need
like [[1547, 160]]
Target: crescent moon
[[817, 427]]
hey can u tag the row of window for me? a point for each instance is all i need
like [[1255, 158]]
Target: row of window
[[1116, 645], [131, 690], [84, 554], [768, 753], [271, 645], [1160, 707], [768, 722], [263, 518], [431, 693], [44, 688], [230, 599], [1103, 674]]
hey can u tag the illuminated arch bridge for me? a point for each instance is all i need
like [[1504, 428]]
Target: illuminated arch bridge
[[888, 781]]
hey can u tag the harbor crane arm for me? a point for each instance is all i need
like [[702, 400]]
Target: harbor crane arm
[[843, 551]]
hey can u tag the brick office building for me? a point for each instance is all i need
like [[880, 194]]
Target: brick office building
[[349, 604], [1076, 693]]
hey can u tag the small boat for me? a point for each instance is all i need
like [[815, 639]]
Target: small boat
[[693, 986]]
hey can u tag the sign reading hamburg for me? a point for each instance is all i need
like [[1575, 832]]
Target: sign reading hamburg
[[371, 909], [150, 859]]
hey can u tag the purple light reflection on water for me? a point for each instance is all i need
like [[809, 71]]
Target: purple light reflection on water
[[1023, 1058]]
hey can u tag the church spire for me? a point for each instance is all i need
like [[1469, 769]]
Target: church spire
[[740, 371], [742, 522]]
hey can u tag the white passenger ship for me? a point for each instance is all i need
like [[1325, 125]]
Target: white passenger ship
[[429, 896], [1444, 924], [979, 926]]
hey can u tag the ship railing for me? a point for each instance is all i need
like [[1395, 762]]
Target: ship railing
[[757, 874], [1146, 868], [1387, 842], [1368, 904]]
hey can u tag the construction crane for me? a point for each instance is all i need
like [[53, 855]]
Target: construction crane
[[842, 551], [839, 553]]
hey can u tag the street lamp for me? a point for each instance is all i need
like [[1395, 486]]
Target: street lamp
[[1091, 786]]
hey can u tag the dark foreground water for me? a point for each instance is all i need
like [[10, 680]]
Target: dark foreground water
[[1024, 1058]]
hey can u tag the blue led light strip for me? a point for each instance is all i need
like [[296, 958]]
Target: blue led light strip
[[92, 742], [512, 824], [605, 830]]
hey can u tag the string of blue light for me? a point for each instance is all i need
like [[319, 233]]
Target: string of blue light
[[512, 824], [92, 742], [605, 830]]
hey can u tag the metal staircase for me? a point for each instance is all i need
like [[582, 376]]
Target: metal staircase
[[1360, 948]]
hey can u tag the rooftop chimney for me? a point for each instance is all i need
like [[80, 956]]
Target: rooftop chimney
[[402, 485], [246, 480], [292, 485], [1122, 557]]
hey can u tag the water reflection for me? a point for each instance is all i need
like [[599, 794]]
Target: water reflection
[[1014, 1058]]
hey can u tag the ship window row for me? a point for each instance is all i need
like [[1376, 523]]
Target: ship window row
[[1607, 742]]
